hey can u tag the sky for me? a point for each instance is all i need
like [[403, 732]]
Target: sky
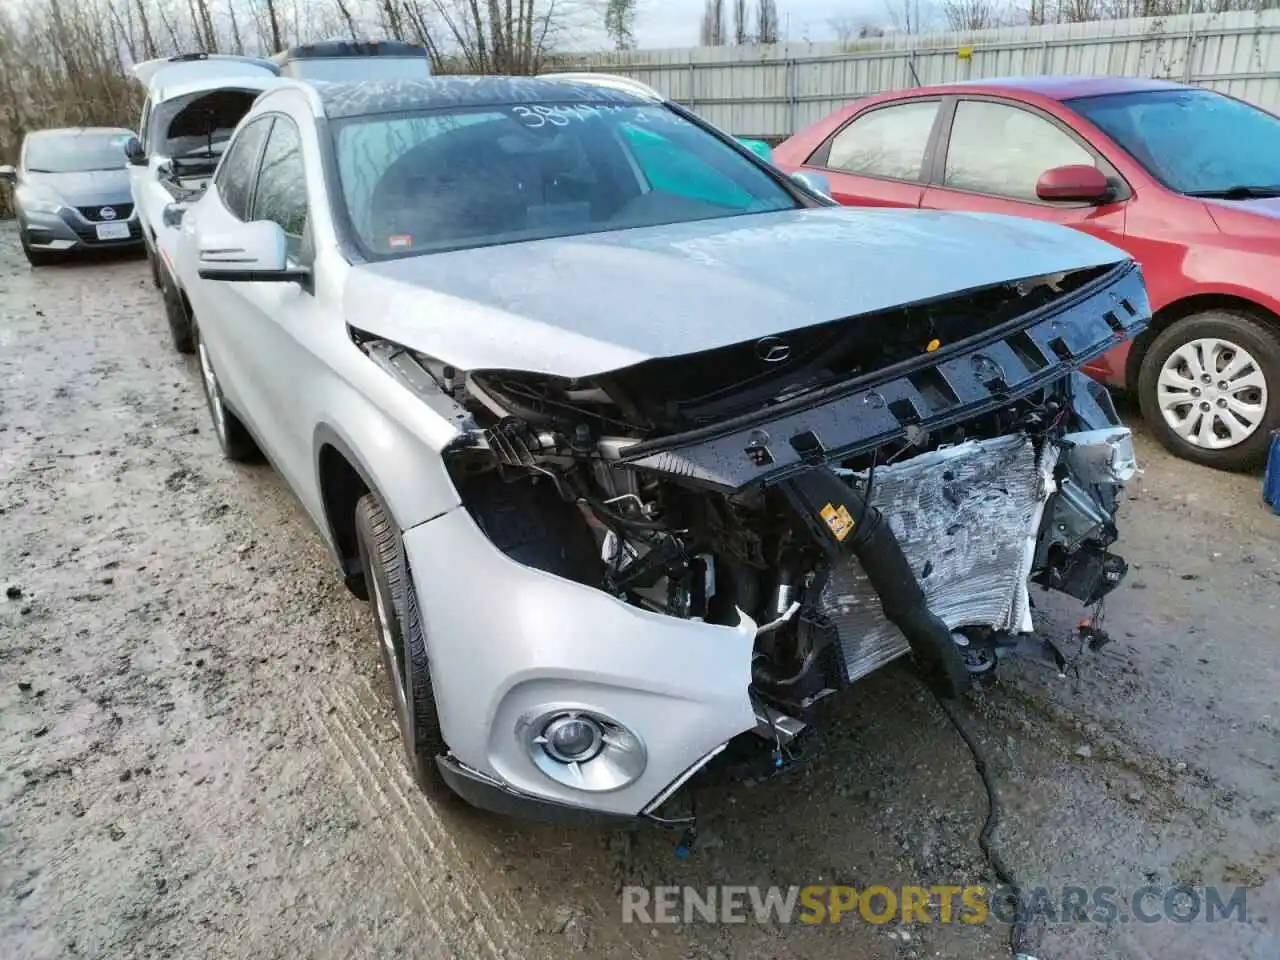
[[674, 23]]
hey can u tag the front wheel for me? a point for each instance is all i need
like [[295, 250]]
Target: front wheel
[[234, 439], [175, 312], [1208, 388], [397, 623], [154, 263]]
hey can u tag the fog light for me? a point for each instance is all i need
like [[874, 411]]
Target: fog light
[[583, 749], [572, 738]]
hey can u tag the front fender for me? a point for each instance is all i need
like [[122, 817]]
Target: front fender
[[393, 440]]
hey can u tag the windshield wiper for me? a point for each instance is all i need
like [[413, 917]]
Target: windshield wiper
[[1238, 192]]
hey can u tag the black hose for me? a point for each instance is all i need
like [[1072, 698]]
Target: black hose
[[1024, 938], [828, 506]]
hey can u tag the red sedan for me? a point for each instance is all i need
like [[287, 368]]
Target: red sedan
[[1185, 179]]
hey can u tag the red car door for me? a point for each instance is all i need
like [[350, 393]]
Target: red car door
[[996, 151], [877, 159]]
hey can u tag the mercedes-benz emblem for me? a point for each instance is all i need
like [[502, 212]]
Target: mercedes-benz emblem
[[772, 350], [107, 213]]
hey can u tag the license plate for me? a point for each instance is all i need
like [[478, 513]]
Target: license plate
[[113, 231]]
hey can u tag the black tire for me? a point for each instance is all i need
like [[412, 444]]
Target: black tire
[[154, 263], [398, 627], [233, 438], [1260, 338], [175, 312]]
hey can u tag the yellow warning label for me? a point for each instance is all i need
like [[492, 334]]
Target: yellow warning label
[[838, 519]]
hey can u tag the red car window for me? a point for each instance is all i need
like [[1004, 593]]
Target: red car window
[[1002, 150], [885, 142]]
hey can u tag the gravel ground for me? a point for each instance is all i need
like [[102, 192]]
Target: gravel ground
[[196, 759]]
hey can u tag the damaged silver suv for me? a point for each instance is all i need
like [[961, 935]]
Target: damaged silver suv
[[635, 445]]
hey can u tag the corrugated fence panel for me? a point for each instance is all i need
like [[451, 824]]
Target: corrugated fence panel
[[774, 91]]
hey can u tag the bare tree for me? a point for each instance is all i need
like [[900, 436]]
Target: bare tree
[[741, 23], [713, 31], [905, 15], [849, 28], [498, 36], [620, 23], [766, 21], [277, 42], [975, 14]]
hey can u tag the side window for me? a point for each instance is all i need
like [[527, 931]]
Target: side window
[[672, 169], [886, 142], [281, 194], [234, 178], [1003, 150]]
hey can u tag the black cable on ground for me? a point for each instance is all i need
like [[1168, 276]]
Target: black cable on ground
[[1024, 938]]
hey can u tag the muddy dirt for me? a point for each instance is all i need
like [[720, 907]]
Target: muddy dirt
[[196, 758]]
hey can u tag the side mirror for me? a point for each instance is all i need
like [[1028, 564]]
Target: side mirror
[[8, 173], [248, 253], [814, 182], [1078, 182], [758, 147], [134, 153]]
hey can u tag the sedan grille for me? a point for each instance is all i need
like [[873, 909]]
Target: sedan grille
[[122, 211]]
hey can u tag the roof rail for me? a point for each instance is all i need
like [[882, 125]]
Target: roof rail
[[613, 80]]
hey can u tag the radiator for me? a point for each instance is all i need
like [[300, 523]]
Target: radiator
[[967, 517]]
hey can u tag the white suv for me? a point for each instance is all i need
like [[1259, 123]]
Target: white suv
[[193, 104]]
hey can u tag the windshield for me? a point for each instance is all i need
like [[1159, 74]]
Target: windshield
[[340, 69], [1190, 139], [76, 152], [448, 179]]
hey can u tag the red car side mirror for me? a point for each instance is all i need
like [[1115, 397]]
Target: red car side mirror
[[1077, 182]]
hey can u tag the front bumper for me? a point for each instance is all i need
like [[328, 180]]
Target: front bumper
[[509, 643], [69, 232]]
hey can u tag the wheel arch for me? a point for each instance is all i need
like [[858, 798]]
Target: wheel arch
[[343, 476], [1180, 309], [342, 479]]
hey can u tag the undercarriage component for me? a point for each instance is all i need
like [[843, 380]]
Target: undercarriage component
[[843, 521], [819, 673], [1088, 574]]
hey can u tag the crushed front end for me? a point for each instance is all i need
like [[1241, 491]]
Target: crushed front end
[[850, 494]]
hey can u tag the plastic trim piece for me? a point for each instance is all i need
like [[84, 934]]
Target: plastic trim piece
[[928, 394]]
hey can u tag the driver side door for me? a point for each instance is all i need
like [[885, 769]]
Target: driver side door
[[992, 152], [268, 324]]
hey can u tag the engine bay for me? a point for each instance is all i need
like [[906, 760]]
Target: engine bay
[[851, 532]]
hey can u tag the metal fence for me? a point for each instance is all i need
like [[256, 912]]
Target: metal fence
[[772, 91]]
